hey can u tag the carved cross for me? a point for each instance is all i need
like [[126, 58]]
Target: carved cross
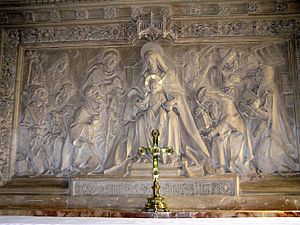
[[156, 202]]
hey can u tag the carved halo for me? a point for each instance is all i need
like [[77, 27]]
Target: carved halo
[[101, 55], [150, 46]]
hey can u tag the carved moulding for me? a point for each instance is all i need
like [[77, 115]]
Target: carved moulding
[[75, 33], [142, 27], [188, 9], [7, 91], [236, 28]]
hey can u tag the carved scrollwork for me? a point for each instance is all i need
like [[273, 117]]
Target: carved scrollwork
[[146, 27], [197, 29], [75, 33], [236, 28], [275, 27], [7, 85]]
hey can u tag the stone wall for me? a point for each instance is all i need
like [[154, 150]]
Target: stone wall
[[83, 84]]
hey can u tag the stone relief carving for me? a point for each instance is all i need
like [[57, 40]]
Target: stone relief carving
[[282, 6], [54, 16], [56, 13], [135, 11], [81, 14], [150, 28], [28, 17], [252, 7], [4, 19], [218, 106], [7, 85], [224, 9], [141, 27], [193, 9], [75, 33], [64, 109], [110, 12]]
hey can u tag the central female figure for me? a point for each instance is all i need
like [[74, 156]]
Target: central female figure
[[180, 130]]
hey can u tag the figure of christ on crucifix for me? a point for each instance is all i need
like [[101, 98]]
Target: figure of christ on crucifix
[[156, 202]]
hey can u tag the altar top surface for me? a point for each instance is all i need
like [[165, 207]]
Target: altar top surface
[[13, 220]]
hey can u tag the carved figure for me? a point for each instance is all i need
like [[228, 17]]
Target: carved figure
[[226, 129], [106, 74], [191, 69], [32, 157], [62, 113], [209, 103], [276, 148], [193, 147], [35, 71], [58, 74], [153, 104], [83, 151]]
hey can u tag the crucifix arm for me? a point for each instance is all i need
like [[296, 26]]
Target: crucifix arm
[[168, 150], [144, 150]]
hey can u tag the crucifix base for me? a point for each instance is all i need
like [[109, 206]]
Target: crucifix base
[[156, 204]]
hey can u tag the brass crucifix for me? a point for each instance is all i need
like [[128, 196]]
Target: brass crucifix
[[156, 202]]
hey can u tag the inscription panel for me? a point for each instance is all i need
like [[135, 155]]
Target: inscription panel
[[168, 187]]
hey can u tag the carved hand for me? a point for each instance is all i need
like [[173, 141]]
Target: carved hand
[[168, 105]]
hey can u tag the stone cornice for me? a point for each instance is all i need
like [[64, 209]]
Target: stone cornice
[[45, 14]]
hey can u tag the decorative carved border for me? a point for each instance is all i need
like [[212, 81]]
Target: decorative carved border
[[7, 91], [237, 28], [81, 10], [129, 31], [75, 33], [117, 33]]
